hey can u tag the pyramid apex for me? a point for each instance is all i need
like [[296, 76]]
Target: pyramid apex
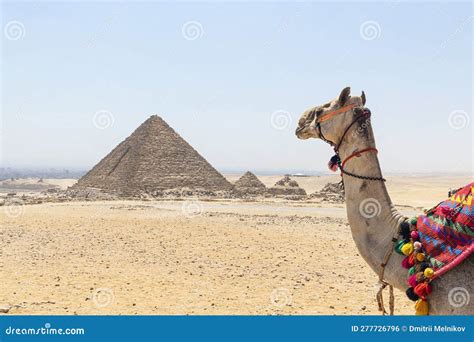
[[155, 119], [155, 116]]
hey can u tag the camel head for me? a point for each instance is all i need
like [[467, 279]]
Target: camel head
[[331, 126]]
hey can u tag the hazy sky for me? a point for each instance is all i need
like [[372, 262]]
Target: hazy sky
[[78, 78]]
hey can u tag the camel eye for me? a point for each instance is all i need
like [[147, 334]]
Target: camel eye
[[327, 105]]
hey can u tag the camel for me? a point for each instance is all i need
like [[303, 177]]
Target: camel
[[372, 217]]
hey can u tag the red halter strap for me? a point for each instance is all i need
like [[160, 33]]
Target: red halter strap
[[329, 115], [358, 154]]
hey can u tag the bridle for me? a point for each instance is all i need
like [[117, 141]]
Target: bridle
[[361, 113]]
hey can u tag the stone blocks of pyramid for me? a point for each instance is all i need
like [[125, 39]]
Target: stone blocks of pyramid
[[287, 186], [154, 157], [250, 184]]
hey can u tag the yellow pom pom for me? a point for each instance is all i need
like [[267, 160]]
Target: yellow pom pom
[[407, 249], [421, 307], [420, 256], [428, 272]]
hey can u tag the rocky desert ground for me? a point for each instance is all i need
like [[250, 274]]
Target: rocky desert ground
[[192, 256]]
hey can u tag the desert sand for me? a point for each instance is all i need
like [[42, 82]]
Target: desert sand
[[196, 257]]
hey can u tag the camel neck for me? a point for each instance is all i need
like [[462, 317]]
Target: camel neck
[[371, 214]]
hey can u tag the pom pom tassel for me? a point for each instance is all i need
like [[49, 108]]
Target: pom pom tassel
[[422, 290], [408, 262], [421, 307], [333, 164], [428, 272], [405, 230], [405, 263], [407, 248], [398, 247], [417, 245], [411, 294], [412, 281]]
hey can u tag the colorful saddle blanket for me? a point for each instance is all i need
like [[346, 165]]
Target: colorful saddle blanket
[[447, 231]]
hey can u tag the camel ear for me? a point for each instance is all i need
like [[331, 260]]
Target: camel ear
[[345, 95], [363, 98]]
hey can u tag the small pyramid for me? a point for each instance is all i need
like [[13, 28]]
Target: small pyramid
[[249, 183], [331, 192], [287, 182], [287, 186], [153, 157]]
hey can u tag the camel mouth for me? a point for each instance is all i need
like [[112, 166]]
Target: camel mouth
[[301, 133], [298, 131]]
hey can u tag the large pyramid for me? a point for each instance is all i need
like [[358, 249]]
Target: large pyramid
[[154, 158]]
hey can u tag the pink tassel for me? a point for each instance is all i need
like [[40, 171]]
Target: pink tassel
[[414, 235], [406, 263], [412, 281]]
